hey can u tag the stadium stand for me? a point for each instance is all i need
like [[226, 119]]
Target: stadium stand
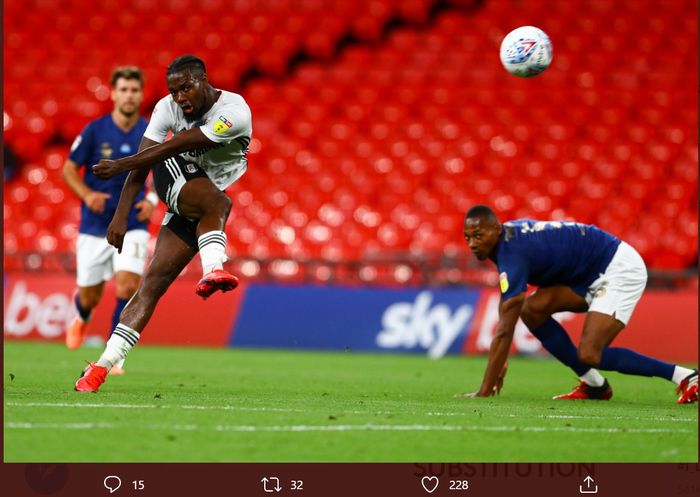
[[377, 123]]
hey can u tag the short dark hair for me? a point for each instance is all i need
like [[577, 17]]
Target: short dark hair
[[187, 62], [482, 212], [126, 72]]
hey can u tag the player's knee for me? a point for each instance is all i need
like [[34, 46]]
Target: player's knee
[[219, 206], [590, 356], [90, 300], [224, 204], [127, 290]]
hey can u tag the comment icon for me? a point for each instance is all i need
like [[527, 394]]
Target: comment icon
[[112, 483]]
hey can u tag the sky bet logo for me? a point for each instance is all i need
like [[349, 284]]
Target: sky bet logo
[[420, 324]]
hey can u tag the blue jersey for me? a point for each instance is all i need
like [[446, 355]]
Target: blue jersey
[[546, 253], [103, 139]]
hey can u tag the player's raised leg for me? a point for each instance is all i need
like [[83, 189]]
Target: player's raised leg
[[200, 199], [612, 300], [537, 315], [170, 257], [601, 329]]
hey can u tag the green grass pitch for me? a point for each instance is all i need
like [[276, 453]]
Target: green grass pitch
[[180, 404]]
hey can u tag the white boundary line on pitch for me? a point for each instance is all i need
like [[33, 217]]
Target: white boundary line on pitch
[[367, 412], [341, 428], [155, 406], [567, 416], [79, 404]]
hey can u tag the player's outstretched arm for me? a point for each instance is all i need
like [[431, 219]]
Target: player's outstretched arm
[[509, 312], [187, 141], [132, 186]]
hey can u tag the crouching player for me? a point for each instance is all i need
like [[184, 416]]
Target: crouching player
[[577, 268]]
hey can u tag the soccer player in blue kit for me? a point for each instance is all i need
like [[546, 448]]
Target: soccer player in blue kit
[[112, 136], [577, 268]]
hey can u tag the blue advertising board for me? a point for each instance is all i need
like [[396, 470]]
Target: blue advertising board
[[430, 321]]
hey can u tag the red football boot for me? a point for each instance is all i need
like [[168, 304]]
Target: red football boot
[[586, 392], [688, 389], [218, 279], [93, 376]]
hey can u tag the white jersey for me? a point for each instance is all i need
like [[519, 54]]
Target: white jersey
[[228, 124]]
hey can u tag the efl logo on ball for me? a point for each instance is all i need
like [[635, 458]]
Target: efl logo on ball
[[526, 51]]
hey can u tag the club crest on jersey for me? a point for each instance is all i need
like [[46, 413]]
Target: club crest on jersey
[[600, 292], [190, 168], [106, 150], [503, 280], [222, 125]]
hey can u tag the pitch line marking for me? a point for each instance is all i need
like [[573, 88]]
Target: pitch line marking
[[367, 412], [153, 406], [80, 404], [326, 428], [565, 416]]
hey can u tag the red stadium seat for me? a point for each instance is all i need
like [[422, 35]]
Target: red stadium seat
[[378, 146]]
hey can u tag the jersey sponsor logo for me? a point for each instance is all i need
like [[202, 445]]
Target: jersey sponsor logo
[[422, 324], [503, 280], [106, 150], [527, 227], [196, 124], [222, 125], [201, 151]]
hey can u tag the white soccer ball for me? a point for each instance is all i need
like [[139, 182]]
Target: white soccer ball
[[526, 51]]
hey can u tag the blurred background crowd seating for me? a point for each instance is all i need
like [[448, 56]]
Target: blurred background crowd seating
[[377, 123]]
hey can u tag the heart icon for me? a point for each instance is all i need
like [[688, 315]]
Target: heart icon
[[430, 483]]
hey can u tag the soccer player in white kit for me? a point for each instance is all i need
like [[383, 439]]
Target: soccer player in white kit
[[211, 132]]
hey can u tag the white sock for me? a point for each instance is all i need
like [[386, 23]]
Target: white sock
[[593, 378], [212, 250], [120, 363], [118, 346], [679, 374]]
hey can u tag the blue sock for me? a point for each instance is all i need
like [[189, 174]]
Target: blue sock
[[630, 362], [556, 341], [82, 312], [121, 303]]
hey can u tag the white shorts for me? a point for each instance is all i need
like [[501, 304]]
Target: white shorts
[[618, 290], [97, 260]]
